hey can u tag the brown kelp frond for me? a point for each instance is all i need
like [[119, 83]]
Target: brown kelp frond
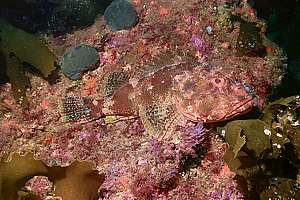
[[16, 170]]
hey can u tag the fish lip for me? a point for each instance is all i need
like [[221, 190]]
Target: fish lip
[[250, 102]]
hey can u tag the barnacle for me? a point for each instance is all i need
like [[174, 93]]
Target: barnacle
[[114, 81], [17, 170]]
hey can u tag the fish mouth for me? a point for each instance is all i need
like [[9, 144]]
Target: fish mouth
[[236, 109], [242, 108]]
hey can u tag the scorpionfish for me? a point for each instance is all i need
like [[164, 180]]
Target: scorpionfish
[[164, 97]]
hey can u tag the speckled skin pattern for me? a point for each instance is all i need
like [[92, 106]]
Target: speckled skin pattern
[[194, 92]]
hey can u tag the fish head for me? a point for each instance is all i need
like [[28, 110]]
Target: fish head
[[209, 96]]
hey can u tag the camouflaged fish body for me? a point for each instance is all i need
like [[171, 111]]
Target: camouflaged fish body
[[163, 97]]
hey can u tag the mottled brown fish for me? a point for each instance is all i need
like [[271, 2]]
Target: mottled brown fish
[[164, 97]]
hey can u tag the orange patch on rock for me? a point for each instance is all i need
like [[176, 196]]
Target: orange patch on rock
[[225, 170], [47, 140], [124, 181], [7, 124], [45, 104], [141, 48], [163, 11], [90, 87], [225, 45], [269, 49], [251, 12], [136, 2]]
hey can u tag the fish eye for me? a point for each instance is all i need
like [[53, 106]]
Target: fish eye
[[248, 88], [217, 80]]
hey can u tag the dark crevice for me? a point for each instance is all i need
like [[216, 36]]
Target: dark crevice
[[283, 20], [52, 16]]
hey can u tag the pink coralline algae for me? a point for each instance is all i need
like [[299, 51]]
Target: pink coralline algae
[[162, 177], [147, 117], [156, 167], [40, 186], [231, 193], [210, 179]]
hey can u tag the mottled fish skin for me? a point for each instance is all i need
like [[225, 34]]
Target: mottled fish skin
[[164, 97], [207, 96]]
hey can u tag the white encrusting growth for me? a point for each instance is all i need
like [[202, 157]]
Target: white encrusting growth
[[267, 132]]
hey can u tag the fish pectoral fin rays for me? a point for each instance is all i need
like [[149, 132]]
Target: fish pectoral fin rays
[[159, 120], [80, 109]]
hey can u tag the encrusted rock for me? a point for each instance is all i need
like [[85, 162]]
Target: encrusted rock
[[78, 60], [69, 14], [120, 14]]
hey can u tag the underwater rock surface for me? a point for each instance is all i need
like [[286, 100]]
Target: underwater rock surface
[[149, 144], [70, 13], [78, 60], [52, 16], [120, 14]]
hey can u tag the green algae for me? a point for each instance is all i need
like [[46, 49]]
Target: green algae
[[281, 188], [3, 76], [71, 187], [18, 49], [251, 134], [250, 41], [18, 80], [26, 47], [14, 174], [267, 136]]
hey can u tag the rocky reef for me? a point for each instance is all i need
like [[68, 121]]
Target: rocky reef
[[157, 114]]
